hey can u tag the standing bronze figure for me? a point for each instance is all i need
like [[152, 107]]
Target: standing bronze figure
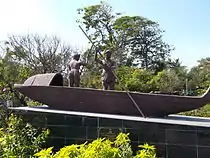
[[74, 67], [108, 77]]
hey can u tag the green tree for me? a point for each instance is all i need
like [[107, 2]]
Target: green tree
[[12, 72], [168, 81], [136, 79], [134, 40], [143, 39], [199, 76], [99, 19]]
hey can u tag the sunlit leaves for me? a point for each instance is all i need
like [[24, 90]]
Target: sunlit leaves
[[20, 139], [101, 148]]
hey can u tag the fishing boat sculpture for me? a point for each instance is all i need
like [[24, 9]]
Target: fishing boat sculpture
[[49, 90]]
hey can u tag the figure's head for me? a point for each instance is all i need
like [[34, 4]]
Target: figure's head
[[108, 54], [76, 56]]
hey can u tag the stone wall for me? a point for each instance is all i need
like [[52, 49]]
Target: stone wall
[[171, 140]]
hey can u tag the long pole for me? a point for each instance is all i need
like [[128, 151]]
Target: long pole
[[186, 88], [88, 37], [129, 95]]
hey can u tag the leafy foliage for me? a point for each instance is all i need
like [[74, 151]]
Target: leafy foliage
[[12, 72], [147, 152], [134, 40], [168, 81], [20, 139], [201, 112], [100, 148], [99, 20], [136, 79], [143, 38], [143, 80], [199, 78]]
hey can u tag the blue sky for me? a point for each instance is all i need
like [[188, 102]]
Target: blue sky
[[186, 22]]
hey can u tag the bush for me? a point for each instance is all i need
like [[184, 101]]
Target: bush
[[201, 112], [100, 148], [135, 79], [20, 139]]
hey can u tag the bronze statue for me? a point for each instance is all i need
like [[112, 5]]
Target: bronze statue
[[108, 76], [74, 75]]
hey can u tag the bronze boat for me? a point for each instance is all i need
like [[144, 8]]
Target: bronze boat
[[49, 90]]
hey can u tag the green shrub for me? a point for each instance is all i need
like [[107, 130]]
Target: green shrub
[[200, 112], [19, 139], [33, 103], [100, 148]]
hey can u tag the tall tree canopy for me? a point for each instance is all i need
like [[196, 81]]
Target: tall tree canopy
[[135, 40]]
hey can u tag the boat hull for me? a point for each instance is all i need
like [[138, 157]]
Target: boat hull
[[110, 102]]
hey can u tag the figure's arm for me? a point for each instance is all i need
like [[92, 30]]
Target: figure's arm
[[103, 65], [69, 67], [114, 66], [82, 63], [98, 60]]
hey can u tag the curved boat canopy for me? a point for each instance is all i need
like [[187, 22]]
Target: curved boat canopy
[[49, 79]]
